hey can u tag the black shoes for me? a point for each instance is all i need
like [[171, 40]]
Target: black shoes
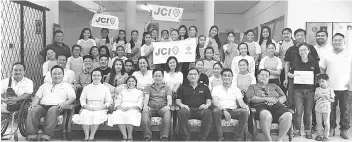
[[344, 134]]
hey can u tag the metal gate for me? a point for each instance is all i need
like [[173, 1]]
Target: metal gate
[[22, 37]]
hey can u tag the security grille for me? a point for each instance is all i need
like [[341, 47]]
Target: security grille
[[23, 37], [10, 34], [33, 44]]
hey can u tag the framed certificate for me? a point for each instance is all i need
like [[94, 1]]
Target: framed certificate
[[303, 77]]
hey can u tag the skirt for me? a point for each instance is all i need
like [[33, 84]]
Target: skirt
[[87, 117], [132, 117]]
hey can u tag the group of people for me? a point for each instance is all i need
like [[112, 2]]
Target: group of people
[[115, 81]]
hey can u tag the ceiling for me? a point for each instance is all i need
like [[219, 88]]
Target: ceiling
[[221, 7]]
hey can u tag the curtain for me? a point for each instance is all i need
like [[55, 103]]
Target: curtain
[[276, 26]]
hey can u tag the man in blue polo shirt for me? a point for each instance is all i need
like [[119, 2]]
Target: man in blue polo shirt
[[194, 100]]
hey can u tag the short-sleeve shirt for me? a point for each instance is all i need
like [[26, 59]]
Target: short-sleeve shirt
[[69, 76], [105, 72], [292, 53], [194, 98], [86, 45], [54, 94], [83, 79], [311, 65], [323, 105], [270, 90], [143, 80], [157, 97], [65, 50], [272, 64], [227, 98], [25, 85], [338, 68], [253, 48]]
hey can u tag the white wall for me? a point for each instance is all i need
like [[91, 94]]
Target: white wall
[[73, 22], [52, 16], [317, 11], [264, 11]]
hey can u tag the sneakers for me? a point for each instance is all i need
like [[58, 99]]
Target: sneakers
[[308, 134], [344, 134], [163, 139]]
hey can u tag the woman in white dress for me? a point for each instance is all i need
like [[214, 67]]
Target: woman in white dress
[[95, 100], [127, 111]]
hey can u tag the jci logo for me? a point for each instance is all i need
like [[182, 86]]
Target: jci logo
[[166, 12], [167, 51], [106, 20]]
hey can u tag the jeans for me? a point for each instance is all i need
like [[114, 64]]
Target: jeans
[[204, 115], [290, 94], [303, 100], [165, 123], [319, 118], [50, 114], [239, 114], [343, 99]]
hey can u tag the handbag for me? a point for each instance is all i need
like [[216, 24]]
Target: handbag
[[10, 93]]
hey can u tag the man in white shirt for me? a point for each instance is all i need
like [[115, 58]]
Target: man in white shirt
[[69, 75], [322, 47], [49, 102], [22, 86], [337, 64], [226, 98]]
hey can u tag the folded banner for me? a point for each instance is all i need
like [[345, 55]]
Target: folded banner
[[166, 13], [184, 51], [105, 21]]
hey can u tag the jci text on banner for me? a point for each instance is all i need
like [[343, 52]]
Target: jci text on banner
[[105, 21], [184, 51]]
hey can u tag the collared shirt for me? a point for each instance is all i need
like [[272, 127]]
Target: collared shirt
[[65, 50], [270, 90], [84, 79], [143, 80], [311, 65], [194, 98], [292, 53], [213, 81], [322, 51], [25, 85], [203, 79], [157, 97], [69, 76], [338, 68], [54, 94], [227, 98]]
